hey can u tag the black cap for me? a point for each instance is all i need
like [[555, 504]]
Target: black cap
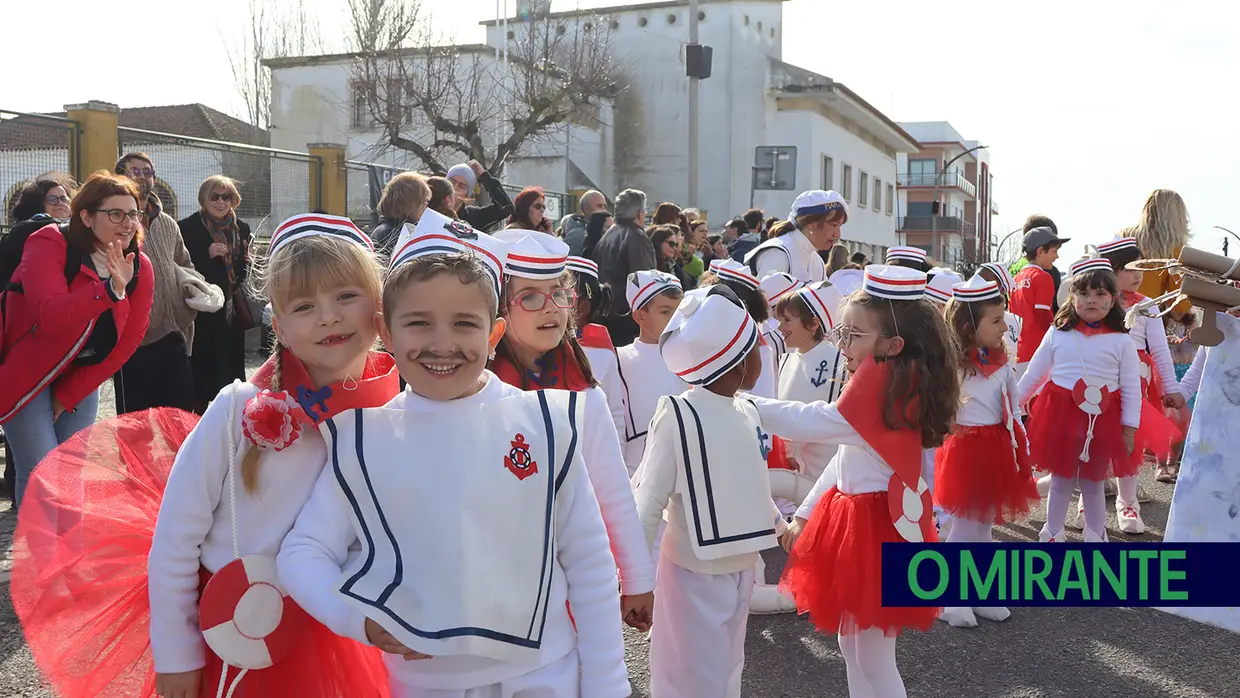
[[1041, 237]]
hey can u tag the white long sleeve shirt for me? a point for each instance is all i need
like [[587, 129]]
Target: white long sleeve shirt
[[1150, 335], [319, 546], [1109, 357], [646, 379], [1192, 378], [195, 525], [604, 366], [983, 398], [817, 374]]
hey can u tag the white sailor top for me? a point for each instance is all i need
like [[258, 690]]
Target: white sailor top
[[471, 547], [605, 367], [705, 466], [1014, 324], [818, 374], [1150, 335], [768, 380], [792, 253], [1064, 357], [646, 379], [987, 400]]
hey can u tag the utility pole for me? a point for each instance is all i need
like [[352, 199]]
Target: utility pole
[[694, 84]]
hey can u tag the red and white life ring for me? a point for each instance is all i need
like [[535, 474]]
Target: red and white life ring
[[247, 616]]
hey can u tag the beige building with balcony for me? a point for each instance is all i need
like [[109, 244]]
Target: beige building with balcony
[[957, 231]]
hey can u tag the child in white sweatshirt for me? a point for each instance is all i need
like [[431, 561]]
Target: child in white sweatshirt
[[478, 527]]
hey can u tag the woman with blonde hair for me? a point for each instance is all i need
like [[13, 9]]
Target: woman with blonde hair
[[218, 242], [403, 201], [1161, 234]]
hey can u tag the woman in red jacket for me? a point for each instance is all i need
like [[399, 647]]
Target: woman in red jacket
[[79, 308]]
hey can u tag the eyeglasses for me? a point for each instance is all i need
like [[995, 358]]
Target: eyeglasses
[[842, 337], [225, 197], [539, 207], [118, 216], [142, 172], [534, 301], [52, 199]]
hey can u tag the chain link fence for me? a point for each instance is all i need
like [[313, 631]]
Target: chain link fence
[[274, 184], [365, 185], [32, 145]]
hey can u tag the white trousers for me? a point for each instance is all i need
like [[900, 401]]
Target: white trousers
[[697, 644], [559, 679]]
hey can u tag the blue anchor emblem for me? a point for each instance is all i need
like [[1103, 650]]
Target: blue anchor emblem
[[309, 399], [546, 371], [821, 379], [766, 450]]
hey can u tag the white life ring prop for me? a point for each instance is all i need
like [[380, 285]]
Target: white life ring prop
[[247, 617], [766, 599]]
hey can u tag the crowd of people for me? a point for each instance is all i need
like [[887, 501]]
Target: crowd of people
[[611, 390]]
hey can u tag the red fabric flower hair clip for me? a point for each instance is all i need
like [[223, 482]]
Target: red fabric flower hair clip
[[270, 420]]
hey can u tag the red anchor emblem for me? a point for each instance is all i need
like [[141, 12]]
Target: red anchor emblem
[[519, 461], [1093, 397]]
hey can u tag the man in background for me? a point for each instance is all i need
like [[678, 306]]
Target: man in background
[[573, 226]]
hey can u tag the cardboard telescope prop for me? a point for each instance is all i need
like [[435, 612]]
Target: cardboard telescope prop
[[1208, 281]]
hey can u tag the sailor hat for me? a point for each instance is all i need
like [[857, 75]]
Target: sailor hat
[[894, 283], [435, 233], [778, 284], [643, 286], [1081, 266], [581, 265], [817, 201], [824, 301], [708, 336], [305, 225], [534, 255], [976, 290], [907, 254], [1005, 280], [847, 280], [939, 288], [732, 270]]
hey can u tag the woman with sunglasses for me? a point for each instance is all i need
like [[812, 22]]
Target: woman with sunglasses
[[75, 311], [43, 201], [529, 211], [219, 243]]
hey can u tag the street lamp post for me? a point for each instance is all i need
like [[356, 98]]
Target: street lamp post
[[934, 218], [1225, 230]]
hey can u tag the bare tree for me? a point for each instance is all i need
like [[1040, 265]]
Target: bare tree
[[453, 103], [271, 30]]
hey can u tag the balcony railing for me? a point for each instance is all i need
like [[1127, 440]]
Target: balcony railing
[[944, 224], [948, 179]]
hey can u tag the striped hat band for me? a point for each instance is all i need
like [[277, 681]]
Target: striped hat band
[[581, 265], [310, 224], [1091, 264], [976, 290], [891, 283], [1116, 245]]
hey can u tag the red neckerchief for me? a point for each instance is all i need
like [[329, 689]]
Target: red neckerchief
[[379, 383], [559, 369], [595, 337], [1131, 298], [986, 361], [1089, 329]]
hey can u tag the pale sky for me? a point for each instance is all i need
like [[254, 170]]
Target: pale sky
[[1086, 105]]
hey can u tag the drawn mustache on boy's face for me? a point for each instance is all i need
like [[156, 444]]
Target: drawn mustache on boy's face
[[448, 357]]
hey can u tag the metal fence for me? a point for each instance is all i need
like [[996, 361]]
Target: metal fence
[[558, 204], [274, 184], [31, 145], [365, 184]]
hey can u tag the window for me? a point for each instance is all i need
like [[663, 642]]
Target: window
[[828, 172], [846, 185], [921, 172], [891, 194], [863, 189], [361, 110], [878, 193]]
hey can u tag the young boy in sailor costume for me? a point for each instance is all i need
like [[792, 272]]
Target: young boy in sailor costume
[[745, 285], [814, 369], [474, 541], [814, 224], [775, 286], [716, 495], [593, 308], [653, 296]]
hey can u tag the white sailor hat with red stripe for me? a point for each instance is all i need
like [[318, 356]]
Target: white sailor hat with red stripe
[[939, 288], [1081, 266], [581, 265], [1116, 245], [976, 290], [643, 286], [907, 254], [778, 284], [816, 201], [534, 255], [438, 234], [732, 270], [824, 301], [1004, 277], [894, 283], [708, 336], [305, 225], [847, 280]]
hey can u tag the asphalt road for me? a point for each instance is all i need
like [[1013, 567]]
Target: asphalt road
[[1038, 653]]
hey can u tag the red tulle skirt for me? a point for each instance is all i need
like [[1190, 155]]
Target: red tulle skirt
[[1159, 430], [835, 570], [79, 583], [1057, 432], [978, 476]]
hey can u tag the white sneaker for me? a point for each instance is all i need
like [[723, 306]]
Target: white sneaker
[[1078, 521], [1091, 537], [959, 617], [1130, 518], [996, 614], [1045, 535]]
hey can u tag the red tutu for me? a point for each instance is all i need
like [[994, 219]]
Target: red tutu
[[835, 570], [978, 476], [1158, 431], [79, 582], [1057, 431]]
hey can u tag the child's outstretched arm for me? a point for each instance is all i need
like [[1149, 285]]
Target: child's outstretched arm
[[605, 465], [656, 476], [186, 515], [590, 573], [1130, 386], [1160, 351], [1192, 379], [314, 552], [813, 422], [1038, 371]]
